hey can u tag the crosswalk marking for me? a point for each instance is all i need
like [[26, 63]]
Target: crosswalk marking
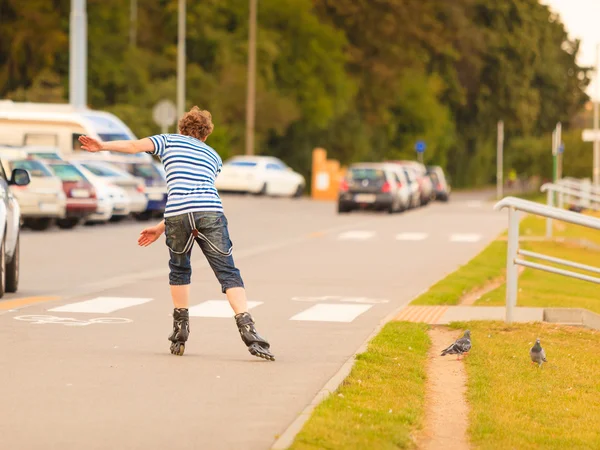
[[469, 237], [411, 236], [101, 305], [216, 308], [329, 312], [356, 235]]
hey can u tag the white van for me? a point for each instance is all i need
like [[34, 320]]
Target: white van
[[59, 125]]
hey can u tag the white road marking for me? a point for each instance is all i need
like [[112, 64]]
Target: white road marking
[[216, 308], [411, 236], [330, 312], [356, 235], [333, 298], [468, 237], [69, 321], [103, 305]]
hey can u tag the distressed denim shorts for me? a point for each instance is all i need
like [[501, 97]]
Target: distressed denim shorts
[[213, 239]]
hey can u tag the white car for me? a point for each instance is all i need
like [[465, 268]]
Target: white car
[[113, 202], [43, 199], [10, 221], [261, 175]]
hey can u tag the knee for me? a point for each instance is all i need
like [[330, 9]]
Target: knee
[[180, 270]]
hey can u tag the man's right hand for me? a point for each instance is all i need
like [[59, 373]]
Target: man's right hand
[[149, 235]]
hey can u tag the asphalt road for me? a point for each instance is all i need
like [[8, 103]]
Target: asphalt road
[[95, 377]]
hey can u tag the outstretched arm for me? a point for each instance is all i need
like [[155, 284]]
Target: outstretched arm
[[138, 146]]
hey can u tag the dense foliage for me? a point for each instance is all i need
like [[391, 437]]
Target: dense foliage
[[363, 78]]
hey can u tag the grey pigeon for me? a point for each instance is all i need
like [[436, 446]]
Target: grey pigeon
[[460, 346], [537, 353]]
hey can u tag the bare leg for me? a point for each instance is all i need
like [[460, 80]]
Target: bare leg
[[237, 299], [180, 295]]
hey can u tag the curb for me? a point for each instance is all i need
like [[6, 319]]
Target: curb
[[287, 437]]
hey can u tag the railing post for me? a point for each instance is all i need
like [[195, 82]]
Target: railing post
[[549, 202], [561, 200], [511, 267]]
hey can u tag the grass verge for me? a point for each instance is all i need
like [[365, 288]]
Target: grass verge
[[382, 400], [515, 405], [486, 266]]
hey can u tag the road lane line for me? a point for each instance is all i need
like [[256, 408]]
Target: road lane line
[[6, 305], [330, 312], [358, 235], [101, 305], [411, 236], [216, 308]]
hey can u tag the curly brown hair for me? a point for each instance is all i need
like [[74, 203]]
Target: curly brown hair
[[196, 123]]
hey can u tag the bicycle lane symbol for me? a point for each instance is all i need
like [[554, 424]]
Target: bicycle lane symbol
[[69, 321]]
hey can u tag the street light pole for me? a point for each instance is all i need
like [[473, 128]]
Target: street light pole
[[133, 23], [251, 89], [500, 160], [181, 59], [78, 54], [597, 121]]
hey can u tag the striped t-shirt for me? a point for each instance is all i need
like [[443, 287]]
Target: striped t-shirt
[[191, 167]]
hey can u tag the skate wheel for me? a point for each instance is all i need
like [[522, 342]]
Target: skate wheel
[[177, 349], [260, 352]]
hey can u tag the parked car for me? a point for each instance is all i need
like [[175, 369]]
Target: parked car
[[156, 185], [113, 202], [134, 187], [425, 184], [413, 186], [81, 195], [43, 153], [260, 175], [440, 183], [10, 223], [41, 201], [377, 186]]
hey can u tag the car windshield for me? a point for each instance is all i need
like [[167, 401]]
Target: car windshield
[[106, 137], [67, 172], [146, 171], [44, 155], [35, 168], [360, 174], [101, 170], [241, 163]]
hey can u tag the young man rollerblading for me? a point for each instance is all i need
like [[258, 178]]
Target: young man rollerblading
[[194, 213]]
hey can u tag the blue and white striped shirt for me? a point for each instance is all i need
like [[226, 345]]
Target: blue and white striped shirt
[[191, 167]]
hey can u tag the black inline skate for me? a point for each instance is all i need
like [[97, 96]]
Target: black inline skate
[[257, 345], [181, 330]]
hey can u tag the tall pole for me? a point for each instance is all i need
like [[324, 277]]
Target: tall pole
[[78, 54], [557, 141], [500, 160], [251, 89], [181, 59], [597, 121], [133, 23]]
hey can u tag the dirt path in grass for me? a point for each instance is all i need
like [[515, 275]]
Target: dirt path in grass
[[446, 409]]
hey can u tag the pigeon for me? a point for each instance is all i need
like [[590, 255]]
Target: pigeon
[[537, 354], [460, 346]]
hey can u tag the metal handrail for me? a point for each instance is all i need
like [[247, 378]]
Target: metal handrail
[[579, 184], [547, 187], [516, 205]]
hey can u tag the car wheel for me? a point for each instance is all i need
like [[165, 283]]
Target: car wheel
[[299, 191], [39, 224], [263, 190], [2, 268], [143, 216], [342, 210], [67, 224], [116, 219], [12, 269]]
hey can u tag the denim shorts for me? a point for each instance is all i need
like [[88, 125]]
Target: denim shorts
[[213, 240]]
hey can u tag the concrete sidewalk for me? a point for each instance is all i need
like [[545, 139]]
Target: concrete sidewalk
[[443, 315]]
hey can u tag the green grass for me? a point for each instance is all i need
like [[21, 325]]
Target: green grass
[[382, 400], [486, 266], [515, 405]]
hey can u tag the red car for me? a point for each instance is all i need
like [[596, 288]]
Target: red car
[[81, 195]]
